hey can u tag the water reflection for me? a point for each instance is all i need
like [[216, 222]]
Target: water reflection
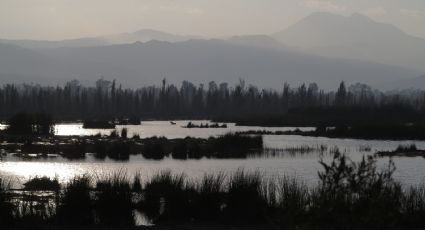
[[409, 170], [165, 128]]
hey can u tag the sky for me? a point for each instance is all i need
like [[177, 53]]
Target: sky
[[66, 19]]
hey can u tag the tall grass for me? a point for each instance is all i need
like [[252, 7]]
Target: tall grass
[[245, 202], [292, 201], [209, 203], [6, 208], [413, 207], [114, 200], [167, 197], [76, 206]]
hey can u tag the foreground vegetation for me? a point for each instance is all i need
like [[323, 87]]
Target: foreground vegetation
[[348, 196]]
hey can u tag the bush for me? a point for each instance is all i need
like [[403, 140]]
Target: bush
[[124, 133], [31, 124], [406, 148], [42, 184], [357, 194], [235, 144]]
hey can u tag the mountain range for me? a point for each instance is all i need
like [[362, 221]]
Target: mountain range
[[138, 36], [322, 48]]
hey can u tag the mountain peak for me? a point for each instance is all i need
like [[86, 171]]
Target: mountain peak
[[327, 29], [360, 17], [355, 37], [150, 32], [327, 15], [323, 14]]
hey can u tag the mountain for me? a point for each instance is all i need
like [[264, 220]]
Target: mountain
[[355, 37], [40, 44], [138, 36], [259, 41], [15, 60], [199, 61]]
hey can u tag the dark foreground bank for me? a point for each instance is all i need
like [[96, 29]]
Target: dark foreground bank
[[348, 196]]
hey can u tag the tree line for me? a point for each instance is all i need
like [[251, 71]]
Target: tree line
[[108, 99]]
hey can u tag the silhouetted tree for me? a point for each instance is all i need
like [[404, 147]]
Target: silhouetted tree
[[108, 100], [30, 124]]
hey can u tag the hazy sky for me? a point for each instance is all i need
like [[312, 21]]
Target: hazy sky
[[60, 19]]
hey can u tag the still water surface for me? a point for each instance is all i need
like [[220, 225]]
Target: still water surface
[[303, 166]]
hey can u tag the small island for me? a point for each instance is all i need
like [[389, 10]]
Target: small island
[[403, 151], [206, 125], [98, 124]]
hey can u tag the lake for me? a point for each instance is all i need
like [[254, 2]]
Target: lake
[[303, 166]]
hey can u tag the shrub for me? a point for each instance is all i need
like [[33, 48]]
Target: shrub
[[124, 133], [357, 194], [42, 184], [406, 148], [31, 124]]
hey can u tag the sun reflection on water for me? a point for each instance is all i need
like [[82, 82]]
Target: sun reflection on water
[[25, 170]]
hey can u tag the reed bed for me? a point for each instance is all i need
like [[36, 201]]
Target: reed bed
[[120, 147]]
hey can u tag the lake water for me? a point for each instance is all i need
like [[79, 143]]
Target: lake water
[[303, 166], [164, 128]]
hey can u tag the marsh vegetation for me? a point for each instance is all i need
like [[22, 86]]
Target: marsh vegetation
[[119, 146]]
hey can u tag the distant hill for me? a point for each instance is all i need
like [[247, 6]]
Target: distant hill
[[124, 38], [15, 60], [355, 37], [411, 83], [259, 41], [145, 36], [267, 64]]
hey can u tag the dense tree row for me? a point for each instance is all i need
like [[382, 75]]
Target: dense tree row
[[107, 99]]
